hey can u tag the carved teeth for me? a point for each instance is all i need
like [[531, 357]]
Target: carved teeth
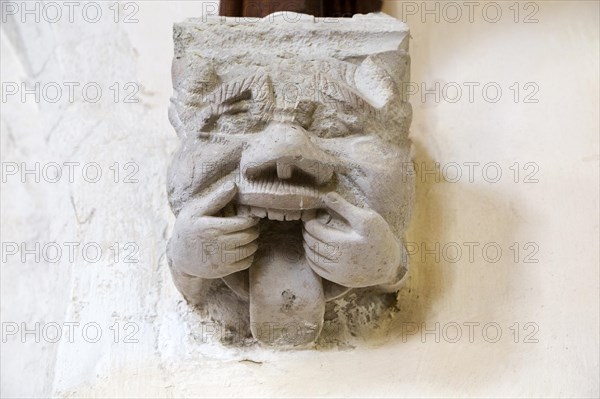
[[283, 170], [276, 186], [274, 214], [292, 215], [258, 212]]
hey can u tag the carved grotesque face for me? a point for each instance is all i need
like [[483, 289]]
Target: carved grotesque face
[[309, 160]]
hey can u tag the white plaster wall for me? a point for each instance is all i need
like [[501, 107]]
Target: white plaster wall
[[558, 295]]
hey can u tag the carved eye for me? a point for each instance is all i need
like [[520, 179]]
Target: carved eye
[[240, 122], [238, 106], [240, 116]]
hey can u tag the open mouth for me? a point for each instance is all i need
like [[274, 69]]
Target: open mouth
[[279, 199], [270, 197], [276, 214]]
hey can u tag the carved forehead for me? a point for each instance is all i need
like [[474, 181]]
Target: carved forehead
[[193, 70], [302, 70], [297, 85], [285, 84], [219, 64]]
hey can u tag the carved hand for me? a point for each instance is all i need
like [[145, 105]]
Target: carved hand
[[209, 246], [360, 252]]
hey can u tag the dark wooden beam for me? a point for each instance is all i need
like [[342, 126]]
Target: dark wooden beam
[[318, 8]]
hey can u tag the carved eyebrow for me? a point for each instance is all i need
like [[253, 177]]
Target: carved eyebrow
[[237, 95], [228, 98], [344, 95], [256, 87], [238, 89], [259, 87]]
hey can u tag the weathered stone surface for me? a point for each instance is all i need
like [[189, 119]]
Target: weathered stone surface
[[291, 182]]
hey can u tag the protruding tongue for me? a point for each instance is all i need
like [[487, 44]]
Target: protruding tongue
[[287, 303]]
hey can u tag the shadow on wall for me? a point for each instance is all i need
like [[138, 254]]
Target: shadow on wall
[[447, 212]]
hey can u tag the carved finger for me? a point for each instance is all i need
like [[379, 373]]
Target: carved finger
[[215, 201], [240, 238], [329, 251], [316, 253], [352, 213], [242, 264], [324, 232], [225, 270], [230, 225], [320, 270], [234, 255]]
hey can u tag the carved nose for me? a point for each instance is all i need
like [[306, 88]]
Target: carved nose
[[287, 151]]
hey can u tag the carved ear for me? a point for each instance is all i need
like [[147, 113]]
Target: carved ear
[[373, 77], [193, 80], [375, 85]]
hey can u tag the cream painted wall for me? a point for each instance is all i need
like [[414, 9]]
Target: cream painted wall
[[553, 218]]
